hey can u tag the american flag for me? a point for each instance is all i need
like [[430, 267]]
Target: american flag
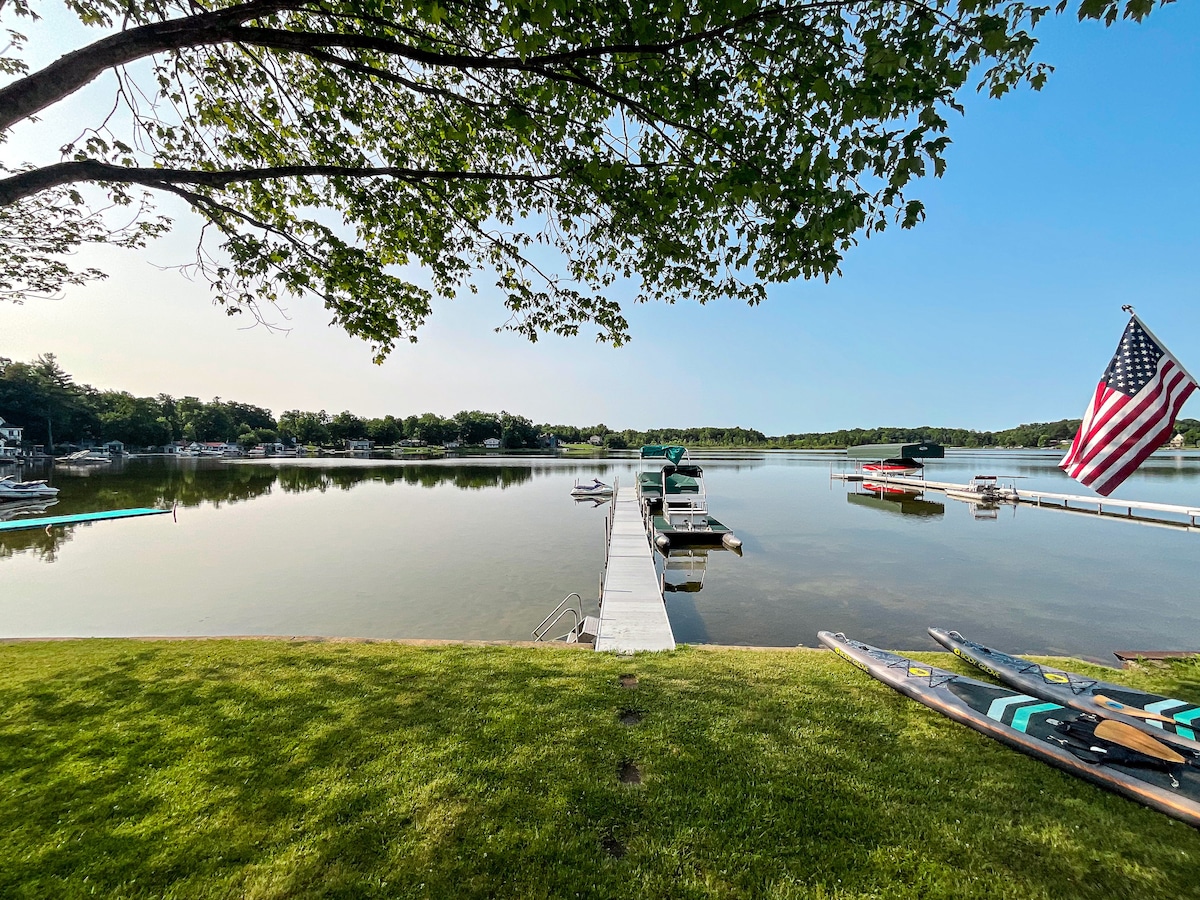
[[1132, 412]]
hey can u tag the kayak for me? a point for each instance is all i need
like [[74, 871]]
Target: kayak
[[1106, 752], [1175, 721]]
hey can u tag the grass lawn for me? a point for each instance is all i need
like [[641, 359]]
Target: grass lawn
[[262, 769]]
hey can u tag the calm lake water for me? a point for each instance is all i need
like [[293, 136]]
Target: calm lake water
[[485, 548]]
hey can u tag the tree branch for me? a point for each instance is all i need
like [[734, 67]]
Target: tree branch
[[33, 93], [25, 184]]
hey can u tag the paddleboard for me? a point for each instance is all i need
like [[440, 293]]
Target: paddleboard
[[1080, 692], [1063, 737]]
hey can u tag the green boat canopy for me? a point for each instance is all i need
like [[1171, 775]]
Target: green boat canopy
[[924, 450], [673, 452]]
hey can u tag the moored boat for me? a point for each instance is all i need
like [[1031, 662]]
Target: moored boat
[[596, 488], [899, 466], [11, 489], [674, 502], [83, 457], [983, 489]]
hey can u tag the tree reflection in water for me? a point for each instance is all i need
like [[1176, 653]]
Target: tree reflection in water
[[165, 483]]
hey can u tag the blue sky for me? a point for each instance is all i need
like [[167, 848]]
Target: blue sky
[[1003, 307]]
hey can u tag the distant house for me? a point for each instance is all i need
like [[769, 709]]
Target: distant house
[[11, 433], [451, 445], [595, 440], [359, 444], [7, 450], [491, 443], [113, 448], [1176, 443], [548, 441]]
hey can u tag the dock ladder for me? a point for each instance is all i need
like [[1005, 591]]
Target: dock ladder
[[583, 629]]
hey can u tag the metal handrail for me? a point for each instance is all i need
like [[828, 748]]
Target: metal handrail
[[575, 629], [559, 611]]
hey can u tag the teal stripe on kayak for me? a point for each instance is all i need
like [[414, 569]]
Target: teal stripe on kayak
[[1187, 717], [1179, 729], [1021, 719], [23, 524], [1000, 704], [1162, 706]]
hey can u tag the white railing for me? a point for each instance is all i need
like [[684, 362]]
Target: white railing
[[539, 633]]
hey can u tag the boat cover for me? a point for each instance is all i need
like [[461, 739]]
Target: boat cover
[[673, 452], [923, 450]]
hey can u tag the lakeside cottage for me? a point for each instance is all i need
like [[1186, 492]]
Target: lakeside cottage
[[491, 443], [10, 440], [11, 433], [359, 444]]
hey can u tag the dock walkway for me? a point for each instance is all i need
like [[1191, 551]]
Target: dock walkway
[[633, 615]]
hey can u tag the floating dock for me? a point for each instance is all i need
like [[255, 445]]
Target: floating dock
[[1140, 511], [51, 521], [633, 614]]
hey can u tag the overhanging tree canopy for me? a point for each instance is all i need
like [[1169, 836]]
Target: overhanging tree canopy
[[700, 148]]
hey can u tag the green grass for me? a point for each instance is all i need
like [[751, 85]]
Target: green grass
[[278, 770]]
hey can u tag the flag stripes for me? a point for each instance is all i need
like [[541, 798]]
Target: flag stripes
[[1131, 414]]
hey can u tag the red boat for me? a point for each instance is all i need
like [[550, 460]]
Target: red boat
[[894, 467]]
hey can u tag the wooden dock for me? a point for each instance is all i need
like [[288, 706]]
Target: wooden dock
[[633, 614]]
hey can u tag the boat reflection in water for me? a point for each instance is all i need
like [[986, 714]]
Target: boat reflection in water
[[682, 569], [895, 500], [16, 509]]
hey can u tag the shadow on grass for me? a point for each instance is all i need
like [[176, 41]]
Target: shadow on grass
[[322, 770]]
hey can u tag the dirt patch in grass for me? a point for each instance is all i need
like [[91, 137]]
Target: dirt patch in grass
[[612, 845]]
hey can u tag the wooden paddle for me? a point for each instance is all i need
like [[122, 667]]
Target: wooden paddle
[[1130, 737], [1118, 706]]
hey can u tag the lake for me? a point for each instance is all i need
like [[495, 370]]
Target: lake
[[484, 549]]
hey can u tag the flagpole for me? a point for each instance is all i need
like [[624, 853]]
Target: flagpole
[[1162, 346]]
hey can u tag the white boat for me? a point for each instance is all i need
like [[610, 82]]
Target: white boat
[[983, 489], [11, 489], [82, 457], [597, 488]]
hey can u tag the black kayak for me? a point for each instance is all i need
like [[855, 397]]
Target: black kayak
[[1108, 753], [1171, 720]]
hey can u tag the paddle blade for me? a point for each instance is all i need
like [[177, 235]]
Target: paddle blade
[[1117, 706], [1130, 738]]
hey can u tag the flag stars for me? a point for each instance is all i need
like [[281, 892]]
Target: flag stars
[[1135, 363]]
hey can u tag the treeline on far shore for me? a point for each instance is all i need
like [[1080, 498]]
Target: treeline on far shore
[[54, 409]]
